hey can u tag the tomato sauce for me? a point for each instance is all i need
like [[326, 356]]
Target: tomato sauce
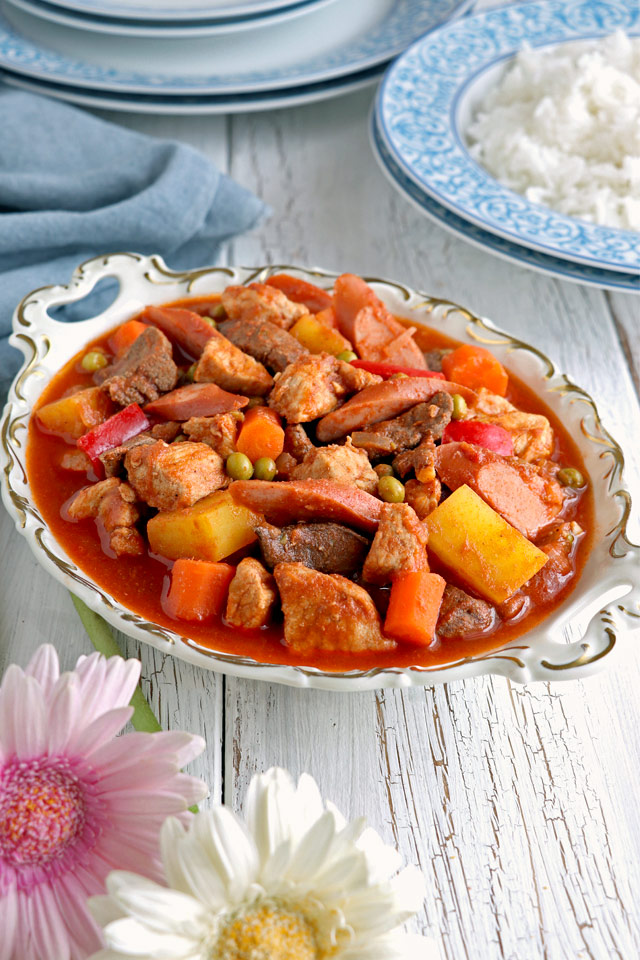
[[138, 583]]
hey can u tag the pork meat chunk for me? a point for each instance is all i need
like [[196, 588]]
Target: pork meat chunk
[[326, 547], [532, 434], [219, 432], [271, 345], [327, 612], [425, 420], [462, 615], [113, 460], [342, 464], [560, 544], [232, 369], [173, 476], [144, 372], [252, 596], [296, 442], [399, 546], [260, 302], [308, 388], [423, 497], [112, 503]]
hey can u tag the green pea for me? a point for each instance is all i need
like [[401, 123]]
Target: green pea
[[265, 469], [239, 467], [570, 477], [459, 407], [398, 376], [384, 470], [255, 402], [191, 372], [94, 360], [218, 312], [347, 356], [390, 490]]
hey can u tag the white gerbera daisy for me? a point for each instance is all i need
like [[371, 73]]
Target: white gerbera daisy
[[296, 882]]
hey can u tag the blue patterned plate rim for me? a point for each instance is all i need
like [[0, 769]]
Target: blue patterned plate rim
[[196, 11], [78, 19], [403, 22], [521, 256], [418, 113]]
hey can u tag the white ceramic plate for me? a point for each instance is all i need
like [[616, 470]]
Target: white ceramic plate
[[590, 625], [429, 96], [490, 242], [165, 29], [318, 47], [200, 105], [174, 9]]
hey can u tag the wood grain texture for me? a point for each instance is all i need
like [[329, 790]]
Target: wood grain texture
[[519, 803]]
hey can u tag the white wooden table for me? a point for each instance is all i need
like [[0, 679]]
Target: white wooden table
[[520, 804]]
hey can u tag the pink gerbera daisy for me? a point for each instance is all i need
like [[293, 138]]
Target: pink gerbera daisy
[[76, 803]]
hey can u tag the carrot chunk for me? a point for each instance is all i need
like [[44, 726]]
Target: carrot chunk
[[475, 367], [198, 589], [123, 337], [261, 434], [414, 605]]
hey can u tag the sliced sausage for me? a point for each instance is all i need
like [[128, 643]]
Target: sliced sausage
[[282, 502], [195, 400], [383, 401], [186, 328]]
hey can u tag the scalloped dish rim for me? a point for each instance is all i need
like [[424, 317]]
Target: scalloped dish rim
[[572, 642]]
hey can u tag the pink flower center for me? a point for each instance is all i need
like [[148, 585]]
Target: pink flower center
[[42, 810]]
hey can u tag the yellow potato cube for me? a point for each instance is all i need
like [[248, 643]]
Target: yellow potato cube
[[75, 415], [485, 551], [318, 337], [213, 528]]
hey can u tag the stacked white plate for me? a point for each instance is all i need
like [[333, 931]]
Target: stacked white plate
[[207, 56], [425, 104]]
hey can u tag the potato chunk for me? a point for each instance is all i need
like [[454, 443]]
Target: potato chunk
[[212, 529], [72, 416], [317, 337], [483, 549]]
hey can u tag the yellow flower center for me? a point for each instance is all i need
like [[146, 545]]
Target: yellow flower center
[[268, 932]]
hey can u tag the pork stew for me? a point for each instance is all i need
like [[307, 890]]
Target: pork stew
[[298, 476]]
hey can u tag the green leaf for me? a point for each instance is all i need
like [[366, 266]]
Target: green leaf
[[101, 635]]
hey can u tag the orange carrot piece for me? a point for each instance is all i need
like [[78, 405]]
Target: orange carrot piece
[[475, 367], [414, 605], [261, 434], [123, 337], [198, 589], [301, 291]]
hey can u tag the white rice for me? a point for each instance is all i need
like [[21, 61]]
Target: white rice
[[563, 128]]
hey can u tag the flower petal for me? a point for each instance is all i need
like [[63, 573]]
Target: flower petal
[[50, 938], [9, 926], [136, 940], [71, 900], [157, 907], [44, 667], [22, 715], [270, 810], [92, 736], [106, 684], [225, 840], [64, 706], [313, 849]]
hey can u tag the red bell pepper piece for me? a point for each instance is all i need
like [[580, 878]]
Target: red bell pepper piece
[[487, 435], [121, 426], [388, 369]]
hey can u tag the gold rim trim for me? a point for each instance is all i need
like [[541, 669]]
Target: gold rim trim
[[477, 329]]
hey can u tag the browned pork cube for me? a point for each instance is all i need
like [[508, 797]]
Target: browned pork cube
[[173, 476], [113, 503], [252, 596], [327, 547], [462, 615], [327, 612], [144, 372], [219, 432], [308, 388], [223, 363], [261, 302], [342, 464], [399, 545], [267, 343]]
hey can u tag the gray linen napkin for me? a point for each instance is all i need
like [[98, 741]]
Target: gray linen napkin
[[73, 186]]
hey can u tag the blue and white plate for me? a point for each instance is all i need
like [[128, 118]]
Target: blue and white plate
[[198, 105], [174, 9], [427, 99], [319, 47], [120, 26], [491, 242]]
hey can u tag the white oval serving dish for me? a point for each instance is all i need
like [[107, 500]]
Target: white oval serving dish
[[572, 642]]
